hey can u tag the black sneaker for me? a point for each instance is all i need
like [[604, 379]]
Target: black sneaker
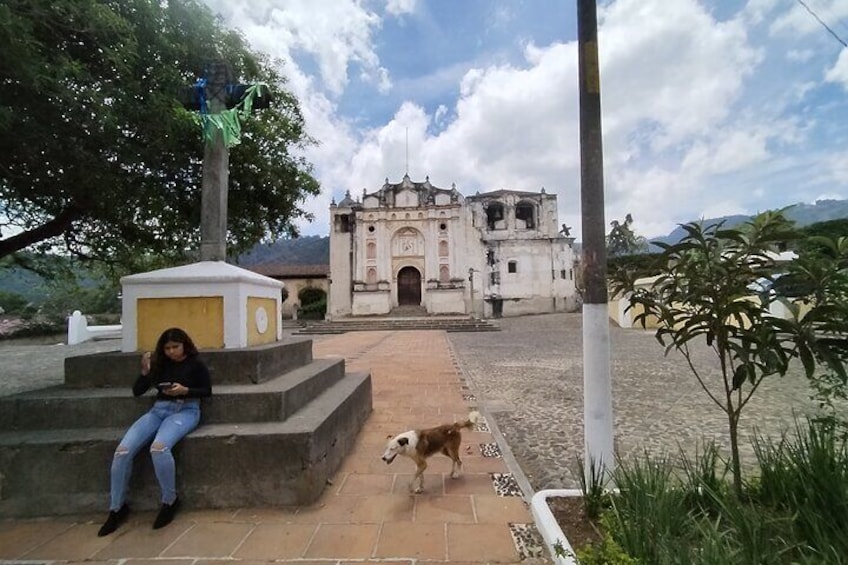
[[166, 514], [115, 519]]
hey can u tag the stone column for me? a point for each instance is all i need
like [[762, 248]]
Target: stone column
[[216, 172]]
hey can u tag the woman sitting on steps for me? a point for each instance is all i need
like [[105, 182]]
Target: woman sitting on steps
[[181, 380]]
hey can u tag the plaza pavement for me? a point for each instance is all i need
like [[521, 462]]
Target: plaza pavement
[[365, 515], [527, 380]]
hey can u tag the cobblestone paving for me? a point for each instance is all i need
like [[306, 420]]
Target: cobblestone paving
[[33, 364], [529, 378]]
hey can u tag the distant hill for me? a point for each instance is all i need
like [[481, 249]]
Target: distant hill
[[801, 214], [307, 250]]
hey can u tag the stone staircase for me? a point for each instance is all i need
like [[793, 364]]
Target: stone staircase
[[277, 427], [395, 323]]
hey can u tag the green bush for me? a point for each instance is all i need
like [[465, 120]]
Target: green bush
[[12, 302], [605, 552], [313, 303]]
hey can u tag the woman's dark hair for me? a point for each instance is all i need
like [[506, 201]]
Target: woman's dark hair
[[172, 334]]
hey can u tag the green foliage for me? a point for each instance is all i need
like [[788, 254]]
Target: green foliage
[[795, 514], [593, 484], [646, 512], [622, 240], [715, 289], [605, 552], [97, 156], [12, 302], [806, 476], [313, 303]]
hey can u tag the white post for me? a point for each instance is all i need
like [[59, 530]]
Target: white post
[[597, 388], [77, 328]]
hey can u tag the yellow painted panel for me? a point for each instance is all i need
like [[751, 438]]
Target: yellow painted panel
[[202, 317], [269, 320]]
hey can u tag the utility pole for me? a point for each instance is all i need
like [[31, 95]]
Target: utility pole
[[216, 172], [597, 383]]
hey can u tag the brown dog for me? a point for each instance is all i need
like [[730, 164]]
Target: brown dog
[[418, 445]]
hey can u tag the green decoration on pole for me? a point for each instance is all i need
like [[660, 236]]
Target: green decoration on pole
[[229, 121]]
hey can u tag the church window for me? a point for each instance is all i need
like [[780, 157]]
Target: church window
[[371, 276], [371, 250], [562, 274], [370, 229], [512, 266], [443, 227], [444, 274], [494, 214], [443, 248], [342, 223], [525, 213]]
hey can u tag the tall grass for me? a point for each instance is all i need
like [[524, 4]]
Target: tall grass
[[795, 511], [807, 476]]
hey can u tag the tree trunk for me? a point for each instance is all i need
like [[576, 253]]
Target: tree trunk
[[736, 467]]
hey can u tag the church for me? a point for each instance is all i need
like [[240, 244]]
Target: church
[[435, 251]]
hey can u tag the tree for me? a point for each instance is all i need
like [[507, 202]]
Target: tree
[[622, 240], [716, 286], [97, 156]]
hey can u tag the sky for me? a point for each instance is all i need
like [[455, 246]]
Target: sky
[[709, 108]]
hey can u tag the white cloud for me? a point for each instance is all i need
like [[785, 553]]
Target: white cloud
[[400, 7], [337, 33], [799, 20], [684, 134], [839, 72]]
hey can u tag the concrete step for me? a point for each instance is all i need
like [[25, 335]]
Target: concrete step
[[227, 366], [387, 324], [66, 471], [71, 408]]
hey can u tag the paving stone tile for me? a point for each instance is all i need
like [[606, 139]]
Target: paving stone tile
[[265, 515], [433, 483], [366, 483], [343, 541], [444, 509], [470, 483], [209, 540], [413, 541], [212, 515], [142, 542], [481, 542], [17, 538], [276, 541], [77, 543], [494, 509], [157, 562]]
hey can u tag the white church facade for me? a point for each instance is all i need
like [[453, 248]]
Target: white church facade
[[414, 244]]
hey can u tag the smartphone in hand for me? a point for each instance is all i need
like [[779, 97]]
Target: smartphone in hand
[[165, 386]]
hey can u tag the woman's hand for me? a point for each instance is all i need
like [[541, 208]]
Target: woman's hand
[[145, 363], [176, 390]]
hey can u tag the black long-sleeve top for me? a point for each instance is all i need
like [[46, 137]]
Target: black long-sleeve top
[[190, 372]]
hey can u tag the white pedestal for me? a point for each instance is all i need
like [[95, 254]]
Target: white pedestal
[[219, 305]]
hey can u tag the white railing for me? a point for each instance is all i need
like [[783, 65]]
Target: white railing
[[79, 331]]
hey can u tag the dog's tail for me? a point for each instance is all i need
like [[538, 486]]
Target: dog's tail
[[473, 418]]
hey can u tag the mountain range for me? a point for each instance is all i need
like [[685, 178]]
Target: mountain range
[[315, 250]]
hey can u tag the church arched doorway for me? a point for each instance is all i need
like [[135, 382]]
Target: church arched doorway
[[409, 287]]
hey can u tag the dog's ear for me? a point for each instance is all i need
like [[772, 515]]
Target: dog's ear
[[403, 441]]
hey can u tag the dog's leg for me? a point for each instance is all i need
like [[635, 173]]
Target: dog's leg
[[418, 477], [452, 451]]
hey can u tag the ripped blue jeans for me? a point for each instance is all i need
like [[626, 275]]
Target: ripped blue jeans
[[166, 423]]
